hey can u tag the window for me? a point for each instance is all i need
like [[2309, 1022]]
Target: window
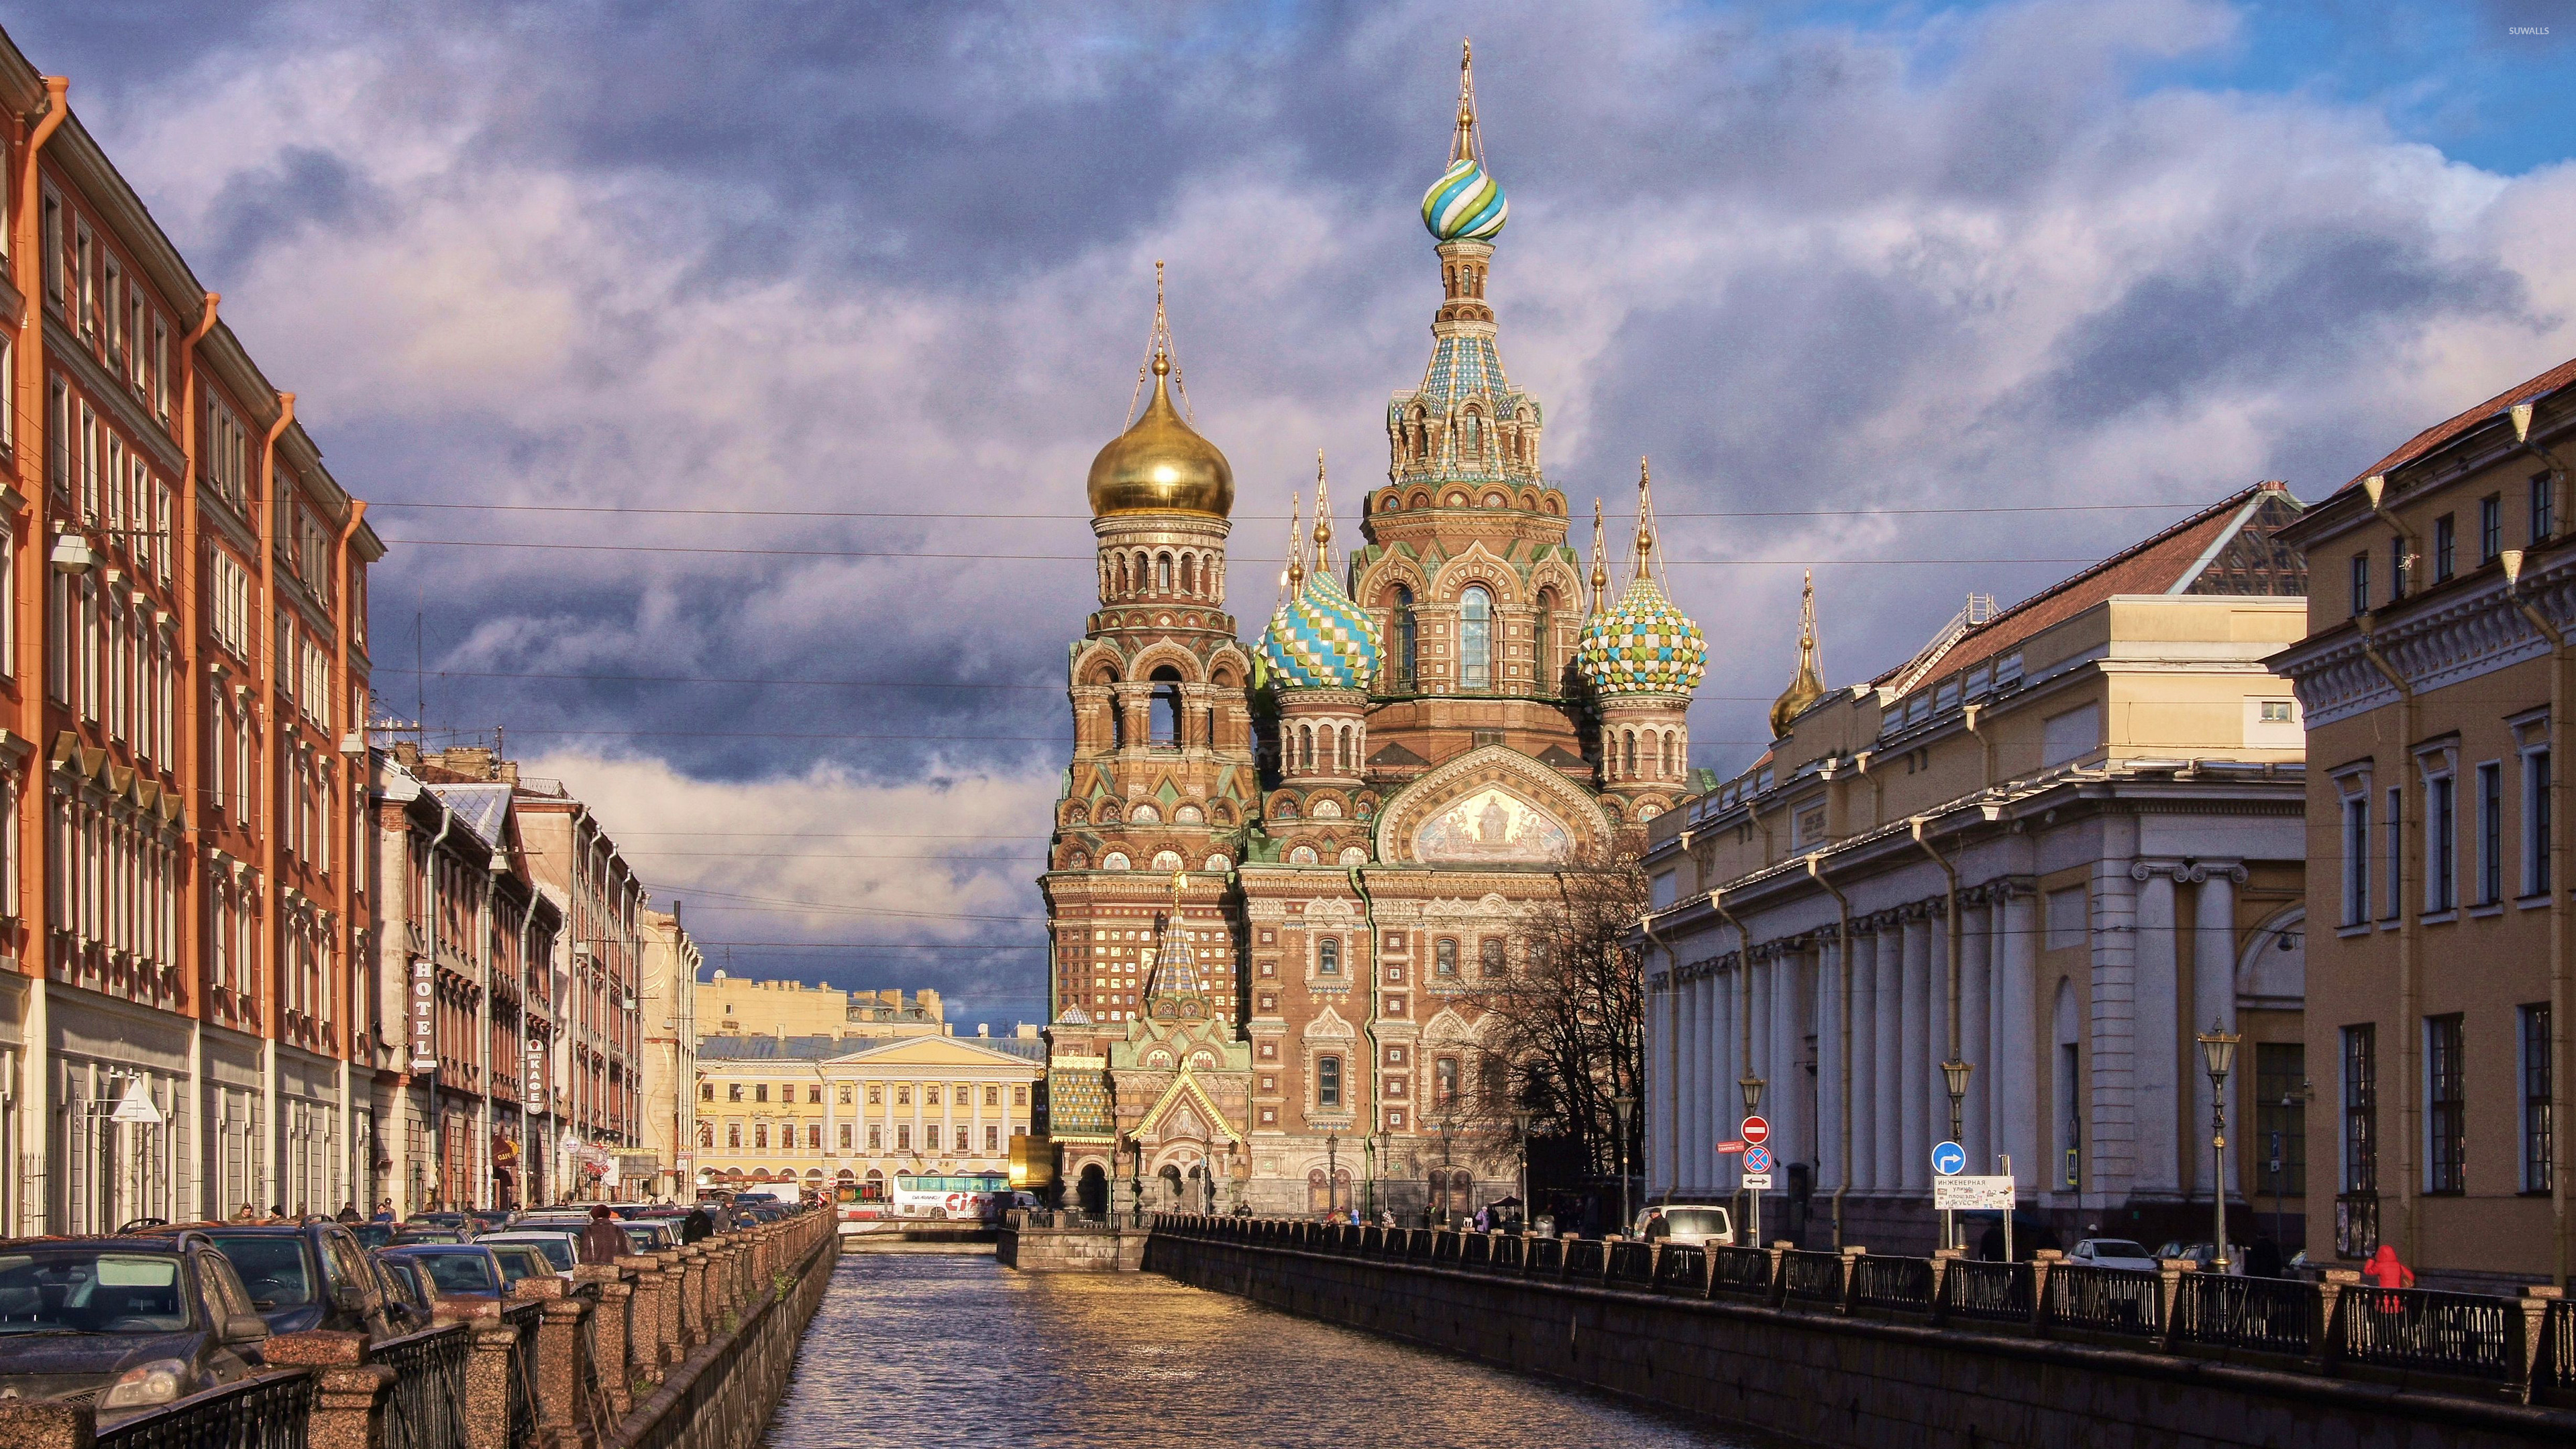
[[2490, 833], [733, 1091], [992, 1138], [2538, 1134], [876, 1094], [992, 1096], [1489, 957], [1444, 1079], [2361, 583], [1328, 1081], [814, 1136], [903, 1096], [930, 1137], [814, 1093], [930, 1096], [760, 1134], [2444, 1132], [1406, 631], [2356, 859], [1444, 957], [2535, 822], [902, 1137], [845, 1095], [1019, 1096], [2395, 834], [1328, 955], [733, 1134], [876, 1137], [2361, 1108], [2490, 527], [706, 1091], [1475, 639], [2544, 511], [2441, 850], [845, 1137], [2280, 1117], [2445, 540], [760, 1092]]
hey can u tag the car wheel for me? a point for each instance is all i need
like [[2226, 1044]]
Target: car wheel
[[939, 1214]]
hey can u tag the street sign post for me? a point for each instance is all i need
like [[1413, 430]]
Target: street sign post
[[1959, 1192], [1755, 1133], [1730, 1147], [2004, 1160], [1757, 1160], [1949, 1159], [1755, 1130], [1757, 1181]]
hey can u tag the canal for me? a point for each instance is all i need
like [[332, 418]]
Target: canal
[[921, 1349]]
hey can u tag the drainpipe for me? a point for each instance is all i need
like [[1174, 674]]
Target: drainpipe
[[343, 826], [1919, 825], [265, 650], [1377, 981], [1974, 717], [2560, 659], [429, 912], [1672, 1048], [2409, 1103], [35, 941], [1842, 1179], [192, 755], [1744, 985]]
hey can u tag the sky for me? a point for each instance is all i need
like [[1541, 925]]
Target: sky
[[724, 377]]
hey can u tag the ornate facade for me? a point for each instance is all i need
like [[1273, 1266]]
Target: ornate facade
[[1280, 876]]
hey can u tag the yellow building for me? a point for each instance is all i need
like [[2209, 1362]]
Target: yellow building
[[732, 1006], [820, 1112]]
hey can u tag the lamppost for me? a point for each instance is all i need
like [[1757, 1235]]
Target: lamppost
[[1136, 1181], [1448, 1130], [1956, 1074], [2218, 1052], [1621, 1106], [1520, 1125], [1368, 1167], [1332, 1173], [1751, 1086]]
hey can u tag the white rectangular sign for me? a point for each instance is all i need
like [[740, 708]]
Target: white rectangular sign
[[1757, 1180], [1972, 1194]]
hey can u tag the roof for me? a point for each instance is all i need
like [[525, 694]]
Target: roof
[[769, 1048], [2223, 549], [483, 808], [942, 1049], [2450, 428]]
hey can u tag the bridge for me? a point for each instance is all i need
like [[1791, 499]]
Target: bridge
[[689, 1348], [1850, 1349]]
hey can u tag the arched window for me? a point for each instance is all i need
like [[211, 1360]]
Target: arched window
[[1475, 639], [1630, 767], [1189, 573], [1342, 750], [1664, 757], [1163, 572], [1444, 956], [1408, 634], [1167, 701], [1543, 670]]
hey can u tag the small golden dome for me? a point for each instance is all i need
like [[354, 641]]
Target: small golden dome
[[1809, 686], [1161, 464]]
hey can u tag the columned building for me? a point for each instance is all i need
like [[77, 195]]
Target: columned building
[[2054, 847], [1286, 881]]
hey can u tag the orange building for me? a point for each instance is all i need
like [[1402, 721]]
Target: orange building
[[184, 684]]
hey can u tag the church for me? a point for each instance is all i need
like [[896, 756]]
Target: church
[[1282, 877]]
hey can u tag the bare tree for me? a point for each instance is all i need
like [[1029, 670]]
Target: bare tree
[[1564, 1029]]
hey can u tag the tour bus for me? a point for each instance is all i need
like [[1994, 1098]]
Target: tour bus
[[975, 1197]]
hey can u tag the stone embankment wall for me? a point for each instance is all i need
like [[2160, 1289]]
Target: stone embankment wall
[[1089, 1249], [1830, 1379], [689, 1348]]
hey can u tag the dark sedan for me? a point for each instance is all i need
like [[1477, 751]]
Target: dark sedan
[[305, 1276], [452, 1270], [122, 1324]]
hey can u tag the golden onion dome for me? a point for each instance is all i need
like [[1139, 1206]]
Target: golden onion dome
[[1161, 464], [1809, 686]]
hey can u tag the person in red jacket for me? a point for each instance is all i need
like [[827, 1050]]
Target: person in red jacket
[[2383, 1269]]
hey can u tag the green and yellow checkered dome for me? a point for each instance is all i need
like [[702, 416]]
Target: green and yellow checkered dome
[[1642, 646]]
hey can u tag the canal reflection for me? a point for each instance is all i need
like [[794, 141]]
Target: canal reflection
[[924, 1349]]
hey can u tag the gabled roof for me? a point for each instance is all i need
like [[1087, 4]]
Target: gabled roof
[[2199, 555], [484, 808], [2449, 428], [934, 1051]]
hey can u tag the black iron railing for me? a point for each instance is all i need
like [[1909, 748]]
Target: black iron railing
[[1811, 1277], [2106, 1300], [270, 1412], [523, 1371], [1986, 1292], [1543, 1255], [2272, 1315], [428, 1406], [1684, 1266], [1739, 1270], [2417, 1328], [1631, 1262], [1902, 1284], [2554, 1367], [1583, 1257]]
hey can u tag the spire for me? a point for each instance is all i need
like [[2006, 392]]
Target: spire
[[1160, 360], [1323, 519], [1600, 569], [1295, 577], [1644, 565], [1809, 685], [1175, 966], [1466, 145]]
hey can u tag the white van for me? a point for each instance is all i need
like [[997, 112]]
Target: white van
[[1698, 1225]]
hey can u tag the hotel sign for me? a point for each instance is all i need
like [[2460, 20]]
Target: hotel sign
[[424, 1016]]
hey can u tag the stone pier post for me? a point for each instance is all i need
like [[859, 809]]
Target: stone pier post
[[488, 1365], [559, 1371], [693, 1298], [608, 1330]]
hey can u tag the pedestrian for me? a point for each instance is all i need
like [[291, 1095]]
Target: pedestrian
[[1483, 1219], [277, 1212], [2385, 1271], [348, 1213], [2263, 1260], [697, 1226], [1990, 1244], [248, 1214], [384, 1210], [604, 1242]]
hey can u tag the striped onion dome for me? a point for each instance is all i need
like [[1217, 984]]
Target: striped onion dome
[[1465, 204], [1642, 646], [1320, 639]]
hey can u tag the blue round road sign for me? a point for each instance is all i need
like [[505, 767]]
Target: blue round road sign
[[1949, 1159], [1757, 1158]]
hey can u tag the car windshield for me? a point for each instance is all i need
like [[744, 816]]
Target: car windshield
[[2117, 1248], [459, 1272], [556, 1251], [372, 1235], [1700, 1221], [519, 1260], [91, 1290], [271, 1267]]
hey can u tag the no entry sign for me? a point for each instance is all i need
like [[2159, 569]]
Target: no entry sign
[[1755, 1131]]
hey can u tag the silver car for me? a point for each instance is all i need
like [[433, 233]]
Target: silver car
[[2111, 1253]]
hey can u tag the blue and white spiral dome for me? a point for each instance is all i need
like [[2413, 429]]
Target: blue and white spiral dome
[[1465, 204]]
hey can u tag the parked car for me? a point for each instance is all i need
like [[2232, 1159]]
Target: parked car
[[453, 1270], [652, 1235], [488, 1220], [409, 1235], [439, 1219], [372, 1236], [2200, 1255], [2111, 1253], [1689, 1225], [521, 1262], [305, 1276], [409, 1300], [562, 1249], [123, 1324]]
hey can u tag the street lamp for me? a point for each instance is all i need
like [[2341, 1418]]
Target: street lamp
[[1751, 1086], [2218, 1052], [1956, 1073], [1368, 1166], [1448, 1129], [1521, 1125], [1621, 1106], [1332, 1173]]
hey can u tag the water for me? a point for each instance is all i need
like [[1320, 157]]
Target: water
[[919, 1350]]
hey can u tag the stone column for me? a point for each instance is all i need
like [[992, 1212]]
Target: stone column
[[2016, 1062], [1865, 1059], [1831, 1169], [1786, 1097], [608, 1334], [1689, 1067], [693, 1298], [1922, 1023], [2111, 1150], [488, 1366], [560, 1415], [1887, 1123], [45, 1424], [2213, 998], [2156, 1039], [349, 1393], [1712, 1082], [1976, 944], [644, 1345]]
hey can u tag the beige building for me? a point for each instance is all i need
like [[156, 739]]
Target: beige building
[[669, 1066], [2054, 845], [2436, 674], [735, 1006], [826, 1113]]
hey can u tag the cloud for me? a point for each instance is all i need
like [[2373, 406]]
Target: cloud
[[898, 261]]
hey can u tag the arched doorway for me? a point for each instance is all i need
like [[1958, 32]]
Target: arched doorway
[[1170, 1179], [1092, 1190], [1165, 724], [1452, 1193]]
